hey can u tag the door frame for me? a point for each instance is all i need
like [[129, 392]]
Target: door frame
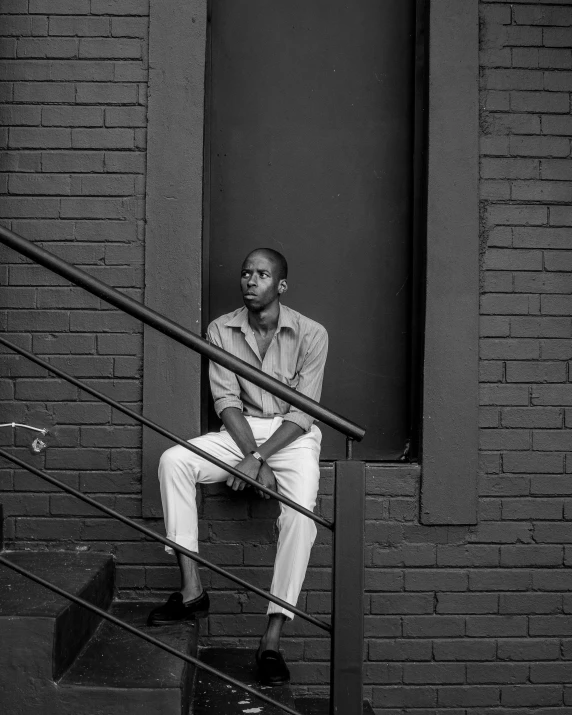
[[174, 208], [447, 399]]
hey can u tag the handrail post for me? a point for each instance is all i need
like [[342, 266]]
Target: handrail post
[[349, 448], [346, 681]]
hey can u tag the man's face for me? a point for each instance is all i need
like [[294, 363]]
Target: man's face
[[259, 282]]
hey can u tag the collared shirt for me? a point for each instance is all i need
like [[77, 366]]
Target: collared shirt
[[296, 356]]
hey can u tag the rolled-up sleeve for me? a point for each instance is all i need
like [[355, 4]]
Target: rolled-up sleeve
[[224, 383], [311, 377]]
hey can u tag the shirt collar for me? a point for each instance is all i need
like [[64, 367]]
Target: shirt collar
[[240, 320]]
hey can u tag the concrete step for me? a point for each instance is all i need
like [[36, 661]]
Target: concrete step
[[212, 696], [321, 706], [121, 674], [60, 659], [42, 633]]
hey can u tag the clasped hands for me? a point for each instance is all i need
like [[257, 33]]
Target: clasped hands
[[250, 466]]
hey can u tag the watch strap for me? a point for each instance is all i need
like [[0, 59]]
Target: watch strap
[[257, 456]]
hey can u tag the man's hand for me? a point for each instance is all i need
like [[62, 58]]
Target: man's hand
[[249, 466], [252, 468], [267, 478]]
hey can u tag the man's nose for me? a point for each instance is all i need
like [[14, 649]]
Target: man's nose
[[252, 280]]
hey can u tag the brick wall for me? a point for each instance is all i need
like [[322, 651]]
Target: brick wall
[[458, 619], [73, 81]]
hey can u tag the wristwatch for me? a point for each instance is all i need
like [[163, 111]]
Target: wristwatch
[[257, 456]]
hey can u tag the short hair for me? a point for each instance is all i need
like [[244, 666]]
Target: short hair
[[276, 258]]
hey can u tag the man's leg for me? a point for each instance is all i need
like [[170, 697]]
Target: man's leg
[[179, 472], [297, 473], [191, 586]]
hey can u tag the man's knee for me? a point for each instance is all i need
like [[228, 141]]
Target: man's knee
[[173, 461]]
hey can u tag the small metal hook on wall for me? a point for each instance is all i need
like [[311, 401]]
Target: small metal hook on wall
[[38, 445]]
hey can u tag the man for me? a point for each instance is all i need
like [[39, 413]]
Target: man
[[262, 436]]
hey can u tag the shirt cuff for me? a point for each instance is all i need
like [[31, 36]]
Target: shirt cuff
[[299, 418], [223, 402]]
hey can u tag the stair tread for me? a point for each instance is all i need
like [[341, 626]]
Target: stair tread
[[321, 706], [115, 658], [71, 571], [212, 695]]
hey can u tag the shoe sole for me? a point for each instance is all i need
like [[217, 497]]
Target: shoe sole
[[273, 683], [265, 681], [192, 617]]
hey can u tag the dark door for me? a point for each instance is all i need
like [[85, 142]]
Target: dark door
[[310, 136]]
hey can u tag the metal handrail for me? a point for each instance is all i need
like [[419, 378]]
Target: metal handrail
[[165, 433], [163, 540], [346, 658], [180, 334], [155, 641]]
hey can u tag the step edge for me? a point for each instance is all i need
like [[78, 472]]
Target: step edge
[[185, 685], [106, 575], [104, 559]]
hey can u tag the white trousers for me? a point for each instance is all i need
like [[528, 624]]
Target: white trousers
[[297, 476]]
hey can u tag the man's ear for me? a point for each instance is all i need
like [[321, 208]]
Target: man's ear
[[282, 286]]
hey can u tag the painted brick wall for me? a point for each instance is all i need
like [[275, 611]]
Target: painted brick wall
[[73, 77], [458, 619]]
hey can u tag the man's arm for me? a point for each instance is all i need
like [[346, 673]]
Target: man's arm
[[241, 432], [239, 429], [310, 377], [224, 383], [228, 406], [295, 421], [284, 435]]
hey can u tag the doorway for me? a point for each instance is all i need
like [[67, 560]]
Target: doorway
[[310, 149]]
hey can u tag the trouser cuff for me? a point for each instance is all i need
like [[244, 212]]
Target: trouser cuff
[[275, 608], [187, 541]]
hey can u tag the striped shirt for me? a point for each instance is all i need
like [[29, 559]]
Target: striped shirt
[[296, 356]]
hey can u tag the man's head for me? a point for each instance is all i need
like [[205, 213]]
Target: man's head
[[263, 278]]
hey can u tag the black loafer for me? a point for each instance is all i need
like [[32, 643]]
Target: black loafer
[[175, 610], [272, 668]]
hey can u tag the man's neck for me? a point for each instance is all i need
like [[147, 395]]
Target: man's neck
[[266, 320]]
